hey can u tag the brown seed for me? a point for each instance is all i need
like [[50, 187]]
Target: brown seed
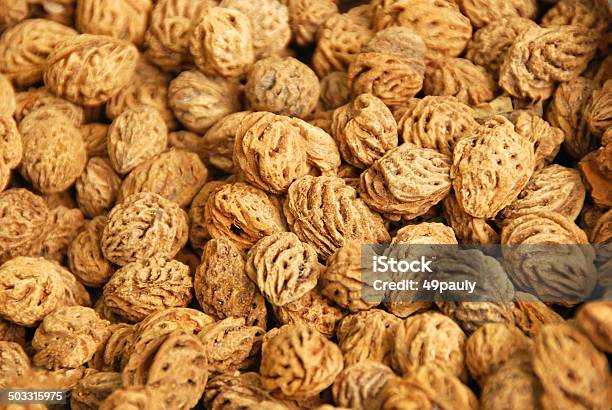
[[491, 167], [135, 136], [25, 47], [53, 148], [221, 43], [298, 362], [313, 204], [140, 288], [198, 101], [283, 267], [97, 187], [144, 218], [105, 65], [283, 86], [68, 337]]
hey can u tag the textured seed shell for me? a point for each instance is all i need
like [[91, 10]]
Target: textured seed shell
[[282, 85], [269, 151], [458, 77], [11, 147], [562, 274], [135, 136], [489, 44], [514, 385], [491, 167], [531, 314], [68, 337], [198, 101], [598, 113], [104, 66], [25, 220], [547, 139], [241, 390], [54, 151], [198, 233], [141, 288], [283, 267], [361, 385], [436, 122], [11, 332], [391, 77], [335, 91], [148, 86], [111, 354], [222, 287], [340, 39], [429, 338], [66, 223], [428, 387], [175, 366], [14, 363], [143, 226], [7, 96], [298, 362], [467, 228], [133, 398], [35, 98], [312, 310], [342, 282], [481, 12], [529, 71], [94, 137], [587, 13], [367, 335], [306, 16], [242, 213], [170, 27], [187, 141], [13, 11], [572, 371], [444, 29], [364, 130], [594, 320], [596, 180], [321, 150], [221, 43], [124, 19], [25, 47], [554, 188], [231, 344], [269, 22], [176, 175], [105, 313], [490, 346], [5, 176], [390, 66], [218, 142], [407, 181], [473, 315], [565, 112], [601, 235], [425, 233], [85, 257], [325, 212], [93, 389], [164, 322], [97, 187]]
